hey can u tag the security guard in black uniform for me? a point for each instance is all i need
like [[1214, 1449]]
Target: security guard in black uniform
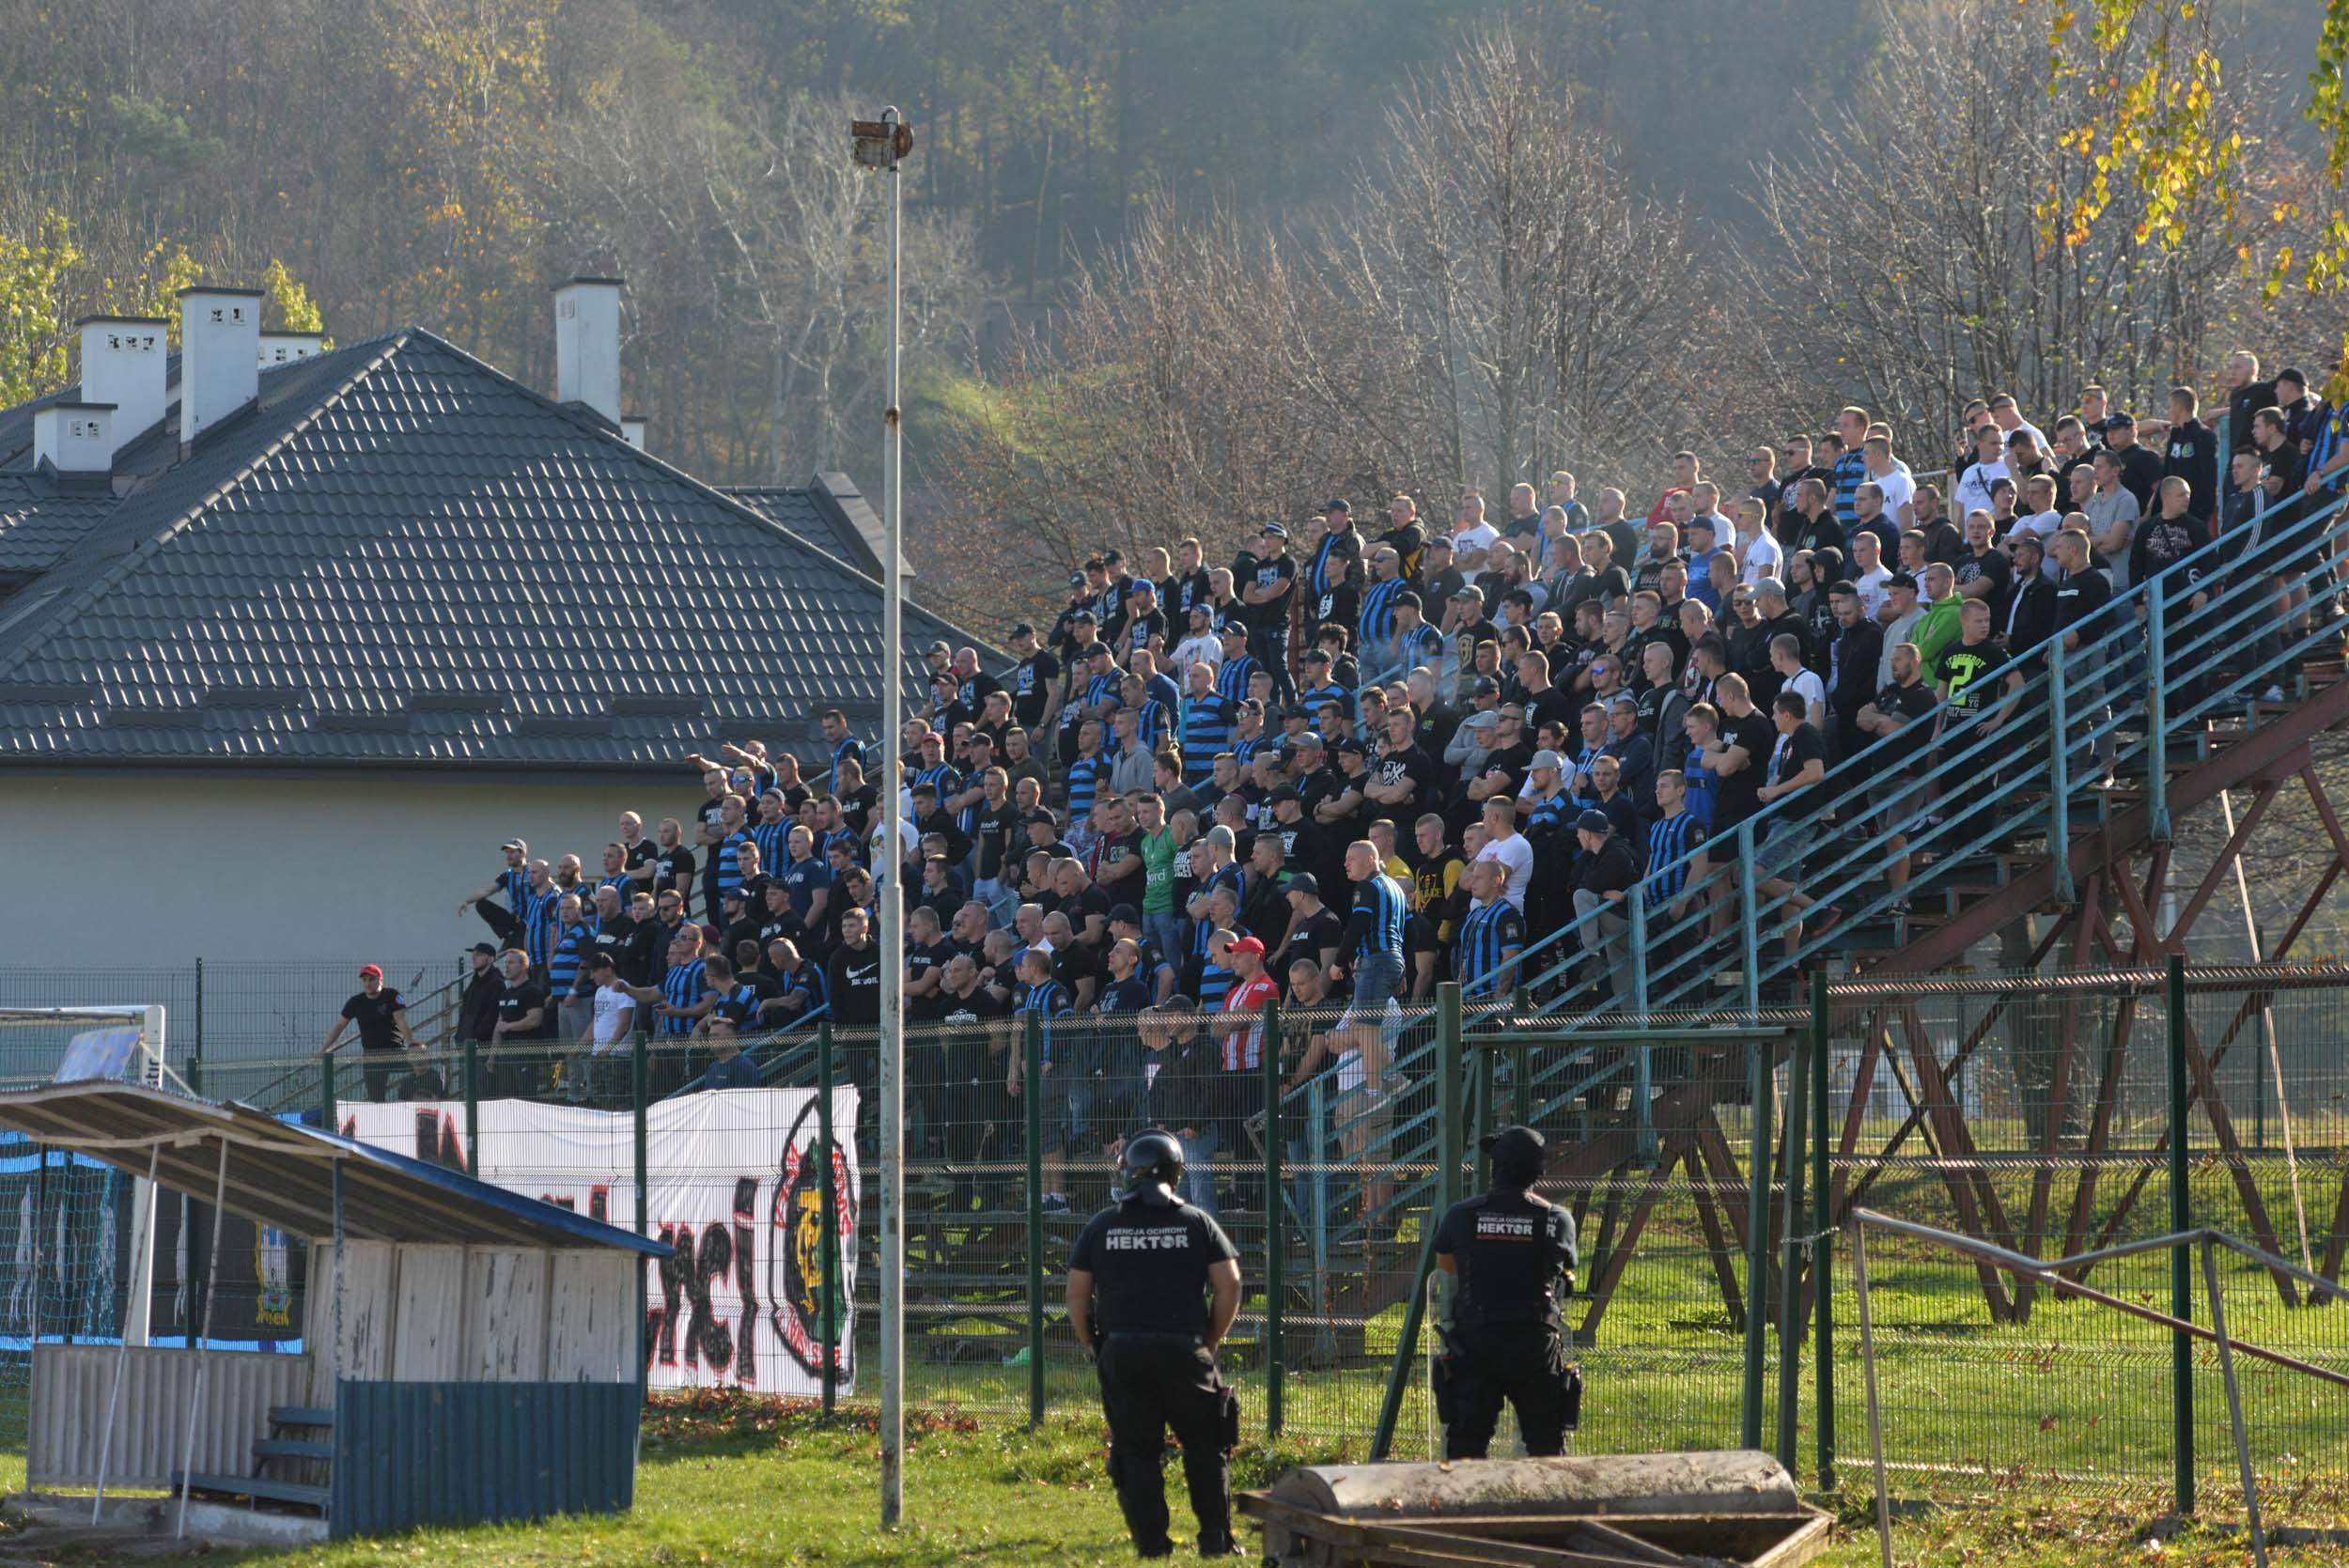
[[1153, 1262], [1509, 1253]]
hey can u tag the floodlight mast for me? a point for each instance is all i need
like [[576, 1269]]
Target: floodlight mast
[[882, 145]]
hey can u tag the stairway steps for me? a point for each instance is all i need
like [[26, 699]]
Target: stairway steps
[[259, 1488], [300, 1415], [291, 1448]]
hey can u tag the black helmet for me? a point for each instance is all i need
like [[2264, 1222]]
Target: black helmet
[[1520, 1155], [1151, 1168]]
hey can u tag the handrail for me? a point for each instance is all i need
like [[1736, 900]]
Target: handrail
[[2016, 797], [1849, 780]]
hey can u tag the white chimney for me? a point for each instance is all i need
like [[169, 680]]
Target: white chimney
[[220, 357], [587, 344], [285, 348], [74, 438], [632, 431], [123, 365]]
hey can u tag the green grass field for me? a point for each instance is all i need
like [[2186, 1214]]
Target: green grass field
[[727, 1481]]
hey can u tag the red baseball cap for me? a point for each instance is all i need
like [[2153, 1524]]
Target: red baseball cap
[[370, 971], [1249, 944]]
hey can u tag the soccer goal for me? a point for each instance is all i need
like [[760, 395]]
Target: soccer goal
[[77, 1230]]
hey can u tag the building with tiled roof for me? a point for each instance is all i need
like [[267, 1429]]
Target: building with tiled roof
[[351, 621]]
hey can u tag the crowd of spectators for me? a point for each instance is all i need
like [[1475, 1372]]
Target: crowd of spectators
[[1361, 759]]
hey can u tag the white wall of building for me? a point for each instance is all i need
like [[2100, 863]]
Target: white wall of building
[[127, 872]]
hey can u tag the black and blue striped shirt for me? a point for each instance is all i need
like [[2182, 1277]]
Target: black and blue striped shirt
[[1490, 938], [571, 945], [1377, 623], [681, 987], [774, 845], [1230, 678], [1048, 1002], [1087, 775], [1207, 731], [536, 912], [1670, 838], [1380, 912], [850, 748]]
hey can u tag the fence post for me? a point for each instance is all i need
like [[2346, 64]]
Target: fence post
[[1642, 1082], [2157, 710], [1746, 874], [197, 1056], [472, 1108], [2059, 775], [829, 1254], [1797, 1151], [2181, 1259], [1451, 1130], [1274, 1248], [1823, 1232], [639, 1085], [326, 1093], [1758, 1076], [1031, 1092]]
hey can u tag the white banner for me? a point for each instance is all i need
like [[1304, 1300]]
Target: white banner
[[736, 1190]]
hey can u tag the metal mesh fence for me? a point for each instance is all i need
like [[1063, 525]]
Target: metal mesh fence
[[2038, 1117], [2027, 1111]]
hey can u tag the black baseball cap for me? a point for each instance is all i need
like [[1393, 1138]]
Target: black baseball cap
[[1337, 505], [1021, 629], [2120, 421], [1124, 914], [1085, 615], [1305, 881], [1043, 815], [484, 947], [1232, 627], [1901, 580], [1351, 746], [1484, 686], [1594, 822]]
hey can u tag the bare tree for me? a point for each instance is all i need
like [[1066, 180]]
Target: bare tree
[[768, 247], [1906, 264], [1500, 225]]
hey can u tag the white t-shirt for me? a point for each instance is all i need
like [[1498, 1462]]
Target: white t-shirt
[[1468, 541], [1206, 649], [2046, 526], [1760, 556], [1875, 588], [1807, 685], [1899, 490], [1516, 856], [1973, 488], [614, 1014]]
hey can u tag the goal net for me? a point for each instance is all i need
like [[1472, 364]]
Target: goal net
[[76, 1236]]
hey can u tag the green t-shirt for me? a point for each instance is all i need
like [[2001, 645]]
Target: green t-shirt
[[1158, 872]]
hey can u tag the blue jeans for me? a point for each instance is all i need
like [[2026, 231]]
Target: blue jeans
[[1165, 931], [1198, 1179], [1000, 901]]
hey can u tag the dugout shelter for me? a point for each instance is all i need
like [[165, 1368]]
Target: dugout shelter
[[471, 1354]]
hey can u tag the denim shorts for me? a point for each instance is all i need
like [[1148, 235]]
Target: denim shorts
[[1378, 978]]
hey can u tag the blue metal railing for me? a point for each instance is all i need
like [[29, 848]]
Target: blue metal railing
[[2071, 692], [2013, 767]]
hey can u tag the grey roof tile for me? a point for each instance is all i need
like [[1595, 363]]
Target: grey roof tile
[[394, 536]]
